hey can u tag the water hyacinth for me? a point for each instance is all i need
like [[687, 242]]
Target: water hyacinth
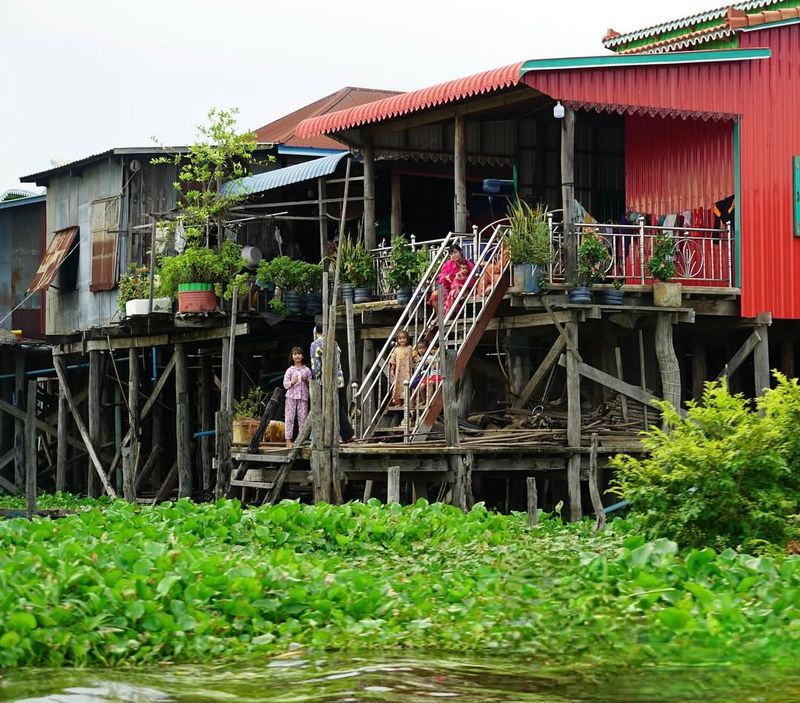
[[117, 583]]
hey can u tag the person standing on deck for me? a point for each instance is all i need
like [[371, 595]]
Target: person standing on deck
[[317, 357], [295, 381]]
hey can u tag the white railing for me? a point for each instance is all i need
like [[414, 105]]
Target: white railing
[[703, 256], [419, 320]]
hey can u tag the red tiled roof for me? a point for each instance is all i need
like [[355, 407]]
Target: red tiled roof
[[739, 20], [282, 130], [415, 101]]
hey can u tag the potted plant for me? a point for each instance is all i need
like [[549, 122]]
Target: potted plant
[[288, 276], [406, 267], [592, 259], [200, 274], [246, 416], [312, 286], [134, 293], [661, 266], [528, 245], [614, 295], [357, 270]]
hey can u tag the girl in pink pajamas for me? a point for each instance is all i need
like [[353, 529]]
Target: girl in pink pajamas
[[295, 381]]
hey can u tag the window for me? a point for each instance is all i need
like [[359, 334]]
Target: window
[[105, 236]]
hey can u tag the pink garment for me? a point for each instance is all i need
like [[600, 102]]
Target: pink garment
[[295, 408], [449, 271], [452, 295], [297, 389]]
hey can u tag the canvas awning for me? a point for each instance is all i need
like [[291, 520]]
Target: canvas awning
[[307, 171], [60, 245]]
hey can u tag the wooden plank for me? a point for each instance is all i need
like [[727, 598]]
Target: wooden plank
[[594, 489], [8, 486], [62, 446], [544, 368], [262, 458], [58, 362], [393, 484], [155, 340], [533, 500], [615, 384], [573, 422], [41, 425], [6, 459], [242, 483], [741, 355], [30, 451]]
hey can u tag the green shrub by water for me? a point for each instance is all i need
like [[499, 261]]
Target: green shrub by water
[[726, 475], [118, 583]]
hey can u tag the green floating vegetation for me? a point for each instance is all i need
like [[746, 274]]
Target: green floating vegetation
[[117, 583]]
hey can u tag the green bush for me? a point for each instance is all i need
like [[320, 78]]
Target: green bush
[[725, 475], [356, 264], [406, 265], [199, 264], [661, 263], [528, 237], [593, 258], [290, 274]]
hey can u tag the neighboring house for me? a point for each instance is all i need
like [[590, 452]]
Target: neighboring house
[[22, 243], [98, 211]]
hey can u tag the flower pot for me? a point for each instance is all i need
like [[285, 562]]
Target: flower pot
[[582, 295], [244, 430], [403, 295], [667, 295], [611, 296], [362, 295], [141, 306], [196, 297], [531, 282], [518, 279], [293, 302], [313, 303], [347, 291]]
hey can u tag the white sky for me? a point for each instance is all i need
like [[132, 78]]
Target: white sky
[[82, 76]]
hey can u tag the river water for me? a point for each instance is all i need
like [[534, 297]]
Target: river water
[[295, 679]]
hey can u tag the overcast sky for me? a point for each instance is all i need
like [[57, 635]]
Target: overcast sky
[[82, 76]]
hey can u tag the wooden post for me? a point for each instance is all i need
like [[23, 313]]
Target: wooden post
[[367, 491], [367, 405], [183, 439], [322, 208], [133, 392], [699, 369], [568, 193], [230, 376], [533, 500], [321, 482], [223, 425], [393, 485], [351, 348], [128, 471], [397, 205], [761, 361], [667, 360], [573, 423], [95, 415], [147, 468], [62, 448], [19, 425], [30, 451], [460, 173], [620, 375], [594, 489], [643, 378], [368, 152], [206, 420], [223, 387]]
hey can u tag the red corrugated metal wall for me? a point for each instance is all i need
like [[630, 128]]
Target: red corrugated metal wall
[[673, 165], [766, 93]]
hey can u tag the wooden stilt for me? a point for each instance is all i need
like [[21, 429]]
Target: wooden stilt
[[643, 378], [223, 423], [166, 488], [667, 360], [393, 485], [30, 451], [397, 204], [320, 480], [351, 348], [533, 500], [367, 491], [206, 420], [460, 173], [62, 448], [368, 154], [699, 369], [594, 489], [147, 469], [620, 375], [761, 368], [95, 415], [183, 438], [19, 424], [322, 210], [568, 193], [573, 423], [128, 482], [539, 375]]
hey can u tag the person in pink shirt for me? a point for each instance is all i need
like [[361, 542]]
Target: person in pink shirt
[[295, 381], [448, 273]]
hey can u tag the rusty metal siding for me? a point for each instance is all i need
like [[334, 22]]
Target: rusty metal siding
[[60, 245], [105, 236], [674, 165], [764, 94]]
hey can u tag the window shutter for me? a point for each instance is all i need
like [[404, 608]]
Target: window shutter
[[105, 235]]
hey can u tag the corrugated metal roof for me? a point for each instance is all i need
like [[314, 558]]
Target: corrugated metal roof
[[613, 39], [57, 250], [19, 202], [284, 176], [282, 130], [415, 101]]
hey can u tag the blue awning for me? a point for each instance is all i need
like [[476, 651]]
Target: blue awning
[[298, 173]]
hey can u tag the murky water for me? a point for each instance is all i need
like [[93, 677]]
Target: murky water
[[299, 680]]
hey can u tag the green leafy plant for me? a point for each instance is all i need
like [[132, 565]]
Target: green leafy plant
[[248, 407], [287, 273], [356, 263], [661, 263], [617, 283], [593, 258], [725, 475], [528, 236], [406, 265], [278, 307], [134, 285], [198, 264]]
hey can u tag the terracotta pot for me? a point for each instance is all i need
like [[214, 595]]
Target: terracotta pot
[[244, 430], [196, 297]]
